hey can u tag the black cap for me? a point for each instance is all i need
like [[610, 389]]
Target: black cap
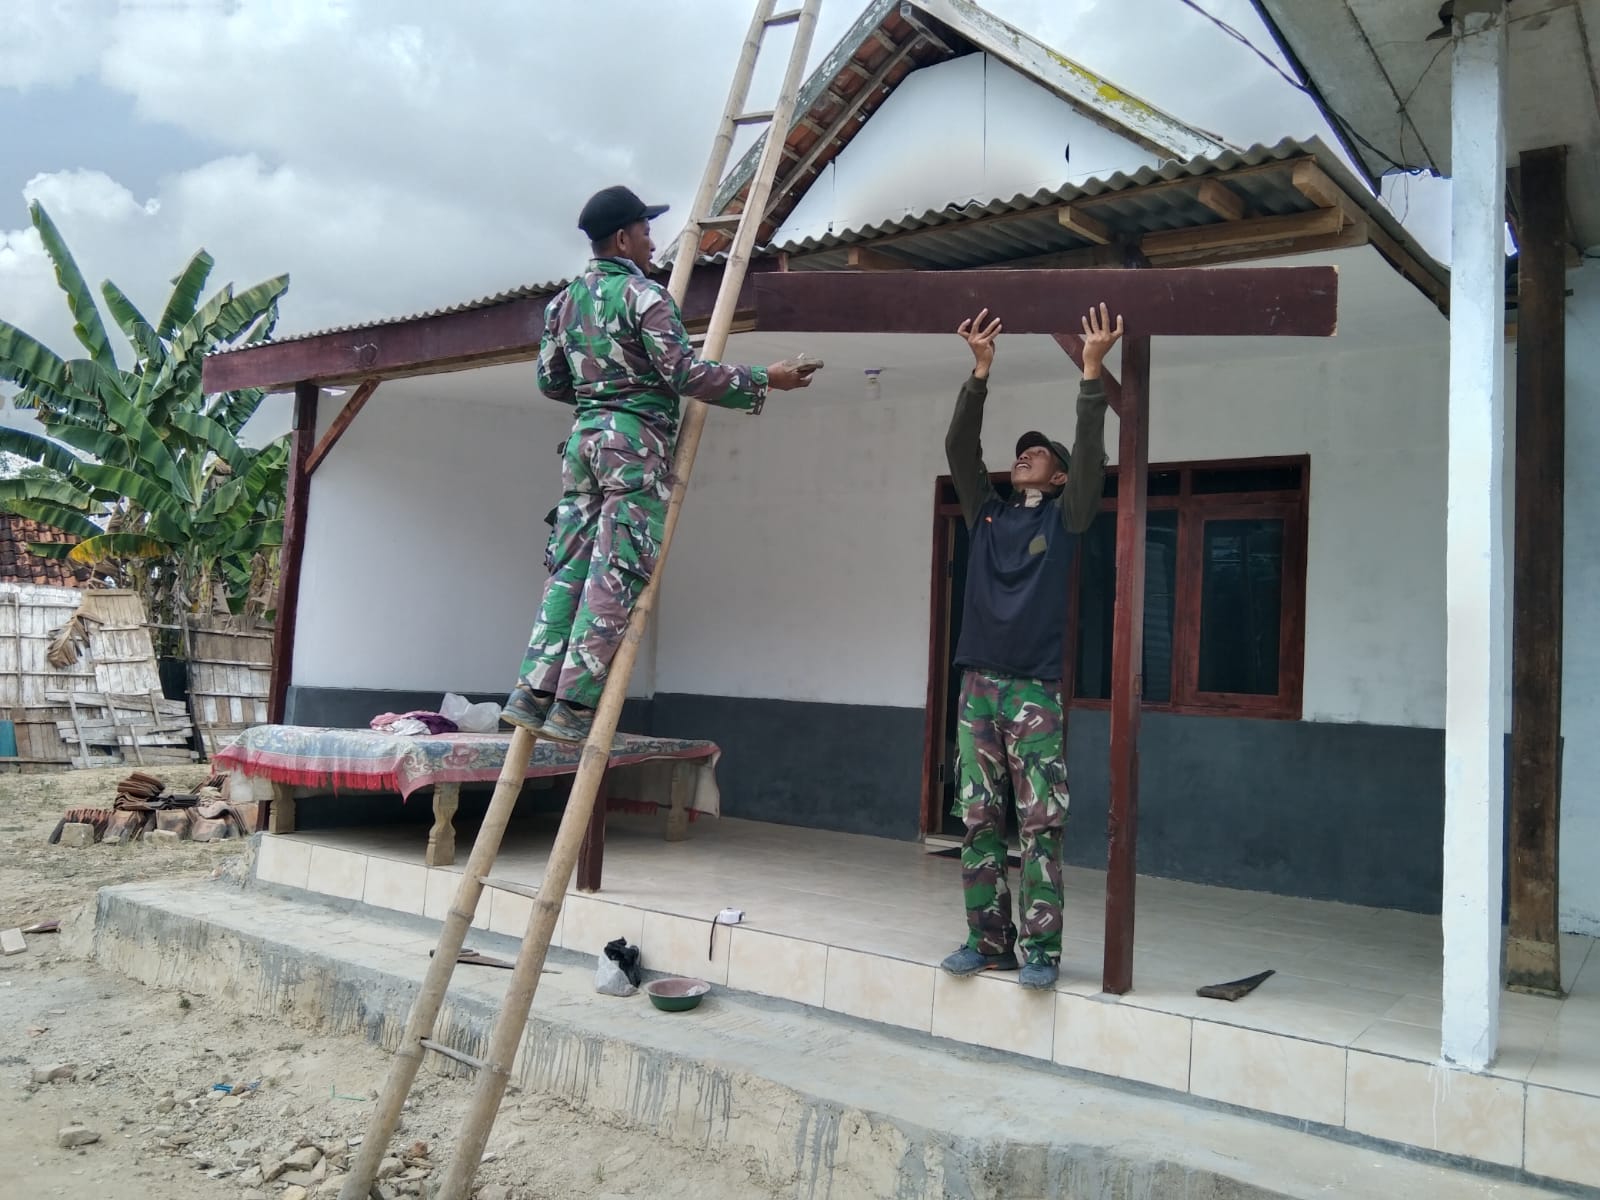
[[614, 208], [1034, 438]]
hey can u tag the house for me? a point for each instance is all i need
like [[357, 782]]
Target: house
[[1296, 662]]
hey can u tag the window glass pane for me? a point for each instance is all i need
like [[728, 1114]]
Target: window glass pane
[[1097, 605], [1246, 479], [1241, 606]]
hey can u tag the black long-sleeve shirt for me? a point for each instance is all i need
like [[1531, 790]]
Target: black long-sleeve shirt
[[1022, 549]]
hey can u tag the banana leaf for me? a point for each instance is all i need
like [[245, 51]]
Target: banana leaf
[[152, 451], [37, 449], [118, 545], [250, 539], [210, 434], [146, 493], [186, 289], [30, 364], [50, 549], [134, 326], [89, 328], [35, 487], [54, 515]]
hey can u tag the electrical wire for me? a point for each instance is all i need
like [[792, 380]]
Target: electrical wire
[[1335, 118]]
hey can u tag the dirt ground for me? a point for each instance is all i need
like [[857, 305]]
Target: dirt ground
[[144, 1065]]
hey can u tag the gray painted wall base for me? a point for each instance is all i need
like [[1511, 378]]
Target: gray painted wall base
[[1352, 813]]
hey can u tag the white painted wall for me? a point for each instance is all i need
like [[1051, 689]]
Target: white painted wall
[[807, 530], [1580, 696], [424, 554], [971, 129]]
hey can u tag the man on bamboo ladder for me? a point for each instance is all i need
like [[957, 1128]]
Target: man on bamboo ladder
[[615, 348], [1009, 739]]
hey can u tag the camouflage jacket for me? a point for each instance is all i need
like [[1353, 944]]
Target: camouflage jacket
[[614, 341]]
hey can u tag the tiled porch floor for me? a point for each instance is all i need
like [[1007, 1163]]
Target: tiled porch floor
[[1346, 1034]]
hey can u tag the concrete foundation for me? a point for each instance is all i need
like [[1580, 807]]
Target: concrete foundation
[[846, 1109]]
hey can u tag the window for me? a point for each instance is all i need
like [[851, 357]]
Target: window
[[1224, 590]]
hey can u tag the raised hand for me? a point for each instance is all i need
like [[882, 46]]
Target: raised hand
[[980, 337], [1098, 337]]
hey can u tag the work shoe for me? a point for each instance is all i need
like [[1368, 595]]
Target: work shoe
[[1039, 974], [567, 723], [525, 709], [967, 961]]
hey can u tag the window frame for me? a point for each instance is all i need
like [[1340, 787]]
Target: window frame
[[1194, 510]]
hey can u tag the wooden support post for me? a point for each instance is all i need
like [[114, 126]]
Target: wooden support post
[[1533, 946], [1127, 657], [592, 853], [280, 818], [442, 837], [293, 550]]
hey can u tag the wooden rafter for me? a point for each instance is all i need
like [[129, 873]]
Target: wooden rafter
[[1221, 199], [1319, 222], [863, 258], [1081, 223], [852, 106], [342, 422]]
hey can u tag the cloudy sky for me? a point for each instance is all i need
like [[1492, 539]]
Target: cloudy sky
[[396, 155]]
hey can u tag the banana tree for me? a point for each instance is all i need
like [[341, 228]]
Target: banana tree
[[138, 462]]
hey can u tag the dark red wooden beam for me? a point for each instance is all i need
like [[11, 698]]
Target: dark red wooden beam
[[1072, 343], [1533, 944], [293, 549], [342, 422], [1127, 663], [1240, 301], [478, 337]]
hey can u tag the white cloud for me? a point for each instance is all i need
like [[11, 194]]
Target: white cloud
[[397, 155], [52, 43]]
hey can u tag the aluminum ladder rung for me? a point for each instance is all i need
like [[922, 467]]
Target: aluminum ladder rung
[[461, 1056]]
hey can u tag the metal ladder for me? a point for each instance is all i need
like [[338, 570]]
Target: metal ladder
[[493, 1071]]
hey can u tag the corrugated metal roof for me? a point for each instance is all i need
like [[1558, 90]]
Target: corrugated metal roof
[[959, 236], [516, 293], [956, 236]]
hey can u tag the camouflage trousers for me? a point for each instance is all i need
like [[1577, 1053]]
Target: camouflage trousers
[[1009, 745], [617, 477]]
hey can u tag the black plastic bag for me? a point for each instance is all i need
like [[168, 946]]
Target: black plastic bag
[[626, 957]]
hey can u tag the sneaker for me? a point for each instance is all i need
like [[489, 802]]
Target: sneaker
[[967, 961], [1039, 974], [567, 723], [526, 709]]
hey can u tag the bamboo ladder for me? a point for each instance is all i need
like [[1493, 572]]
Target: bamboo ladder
[[511, 1020]]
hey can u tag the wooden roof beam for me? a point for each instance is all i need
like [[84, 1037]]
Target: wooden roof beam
[[1317, 186], [1246, 301], [1221, 199], [1239, 233], [863, 258], [1089, 228]]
